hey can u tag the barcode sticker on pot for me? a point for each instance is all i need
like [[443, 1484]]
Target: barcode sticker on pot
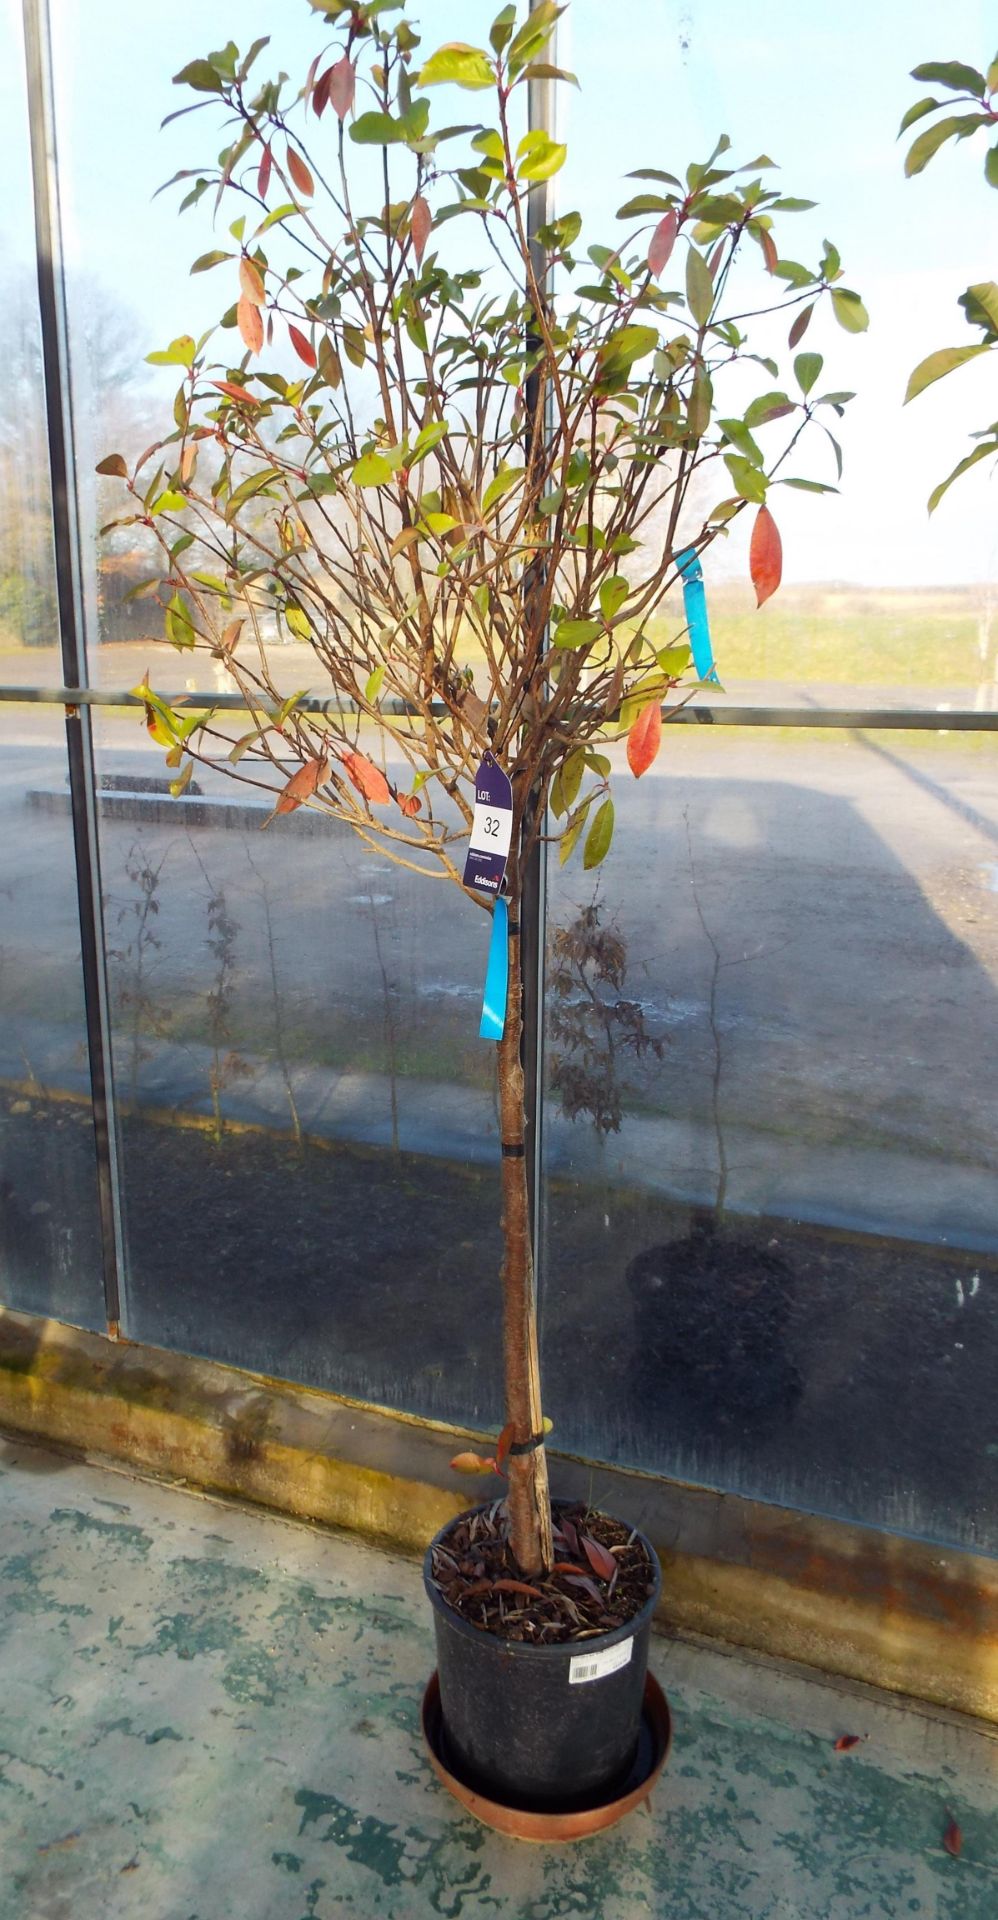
[[594, 1666]]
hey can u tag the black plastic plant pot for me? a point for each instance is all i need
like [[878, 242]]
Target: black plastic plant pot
[[548, 1729]]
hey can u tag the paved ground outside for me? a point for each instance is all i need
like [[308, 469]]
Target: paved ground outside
[[210, 1713]]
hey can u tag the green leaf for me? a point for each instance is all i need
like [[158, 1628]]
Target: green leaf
[[199, 74], [674, 660], [299, 623], [991, 166], [599, 836], [467, 67], [372, 470], [957, 127], [952, 74], [253, 484], [969, 460], [501, 28], [179, 353], [541, 156], [577, 633], [699, 287], [849, 310], [939, 363], [500, 484], [768, 406], [980, 304], [618, 354], [206, 260], [182, 780], [376, 130], [808, 486], [742, 441], [275, 214], [807, 368], [169, 502], [698, 407], [644, 203], [570, 837], [612, 595], [918, 112], [179, 625], [750, 482]]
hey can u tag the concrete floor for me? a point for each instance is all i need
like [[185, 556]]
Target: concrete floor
[[208, 1711]]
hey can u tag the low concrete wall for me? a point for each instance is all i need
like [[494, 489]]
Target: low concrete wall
[[896, 1613]]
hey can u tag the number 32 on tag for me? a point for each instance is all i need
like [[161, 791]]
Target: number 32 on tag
[[492, 828]]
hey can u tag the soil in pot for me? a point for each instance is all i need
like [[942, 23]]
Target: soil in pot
[[542, 1681]]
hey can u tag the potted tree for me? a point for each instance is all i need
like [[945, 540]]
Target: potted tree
[[464, 457]]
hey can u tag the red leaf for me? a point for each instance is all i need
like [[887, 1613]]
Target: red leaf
[[765, 556], [505, 1441], [249, 320], [517, 1586], [251, 283], [473, 1463], [601, 1562], [846, 1742], [302, 347], [263, 177], [421, 226], [662, 242], [367, 778], [300, 174], [342, 80], [644, 739], [800, 326], [715, 259], [564, 1566], [410, 804], [302, 785], [320, 93], [236, 392], [953, 1840], [769, 249]]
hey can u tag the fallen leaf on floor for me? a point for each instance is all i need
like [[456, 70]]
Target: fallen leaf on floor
[[846, 1742], [953, 1840]]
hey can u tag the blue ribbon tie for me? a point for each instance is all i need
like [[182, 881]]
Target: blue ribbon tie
[[497, 975], [695, 604]]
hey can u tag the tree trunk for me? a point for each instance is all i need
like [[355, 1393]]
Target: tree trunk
[[529, 1503]]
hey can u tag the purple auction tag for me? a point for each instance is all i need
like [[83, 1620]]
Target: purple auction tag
[[492, 828]]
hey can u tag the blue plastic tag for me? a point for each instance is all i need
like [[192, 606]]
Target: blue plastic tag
[[695, 604], [497, 975]]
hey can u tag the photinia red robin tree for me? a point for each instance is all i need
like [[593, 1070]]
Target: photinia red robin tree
[[456, 451]]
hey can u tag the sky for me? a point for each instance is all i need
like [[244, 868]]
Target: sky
[[821, 88]]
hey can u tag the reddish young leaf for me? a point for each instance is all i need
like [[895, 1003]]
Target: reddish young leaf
[[765, 556], [565, 1566], [236, 392], [662, 242], [300, 174], [644, 739], [263, 175], [800, 326], [320, 93], [601, 1562], [251, 282], [367, 778], [473, 1463], [588, 1586], [846, 1742], [342, 80], [953, 1839], [410, 804], [302, 785], [505, 1442], [517, 1586], [421, 226], [715, 259], [302, 347], [770, 254], [249, 320]]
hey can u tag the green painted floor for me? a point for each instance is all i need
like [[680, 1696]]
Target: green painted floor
[[209, 1712]]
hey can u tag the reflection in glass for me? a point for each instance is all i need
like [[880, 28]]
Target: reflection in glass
[[779, 1275], [50, 1257]]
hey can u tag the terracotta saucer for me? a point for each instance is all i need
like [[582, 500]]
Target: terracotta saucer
[[524, 1824]]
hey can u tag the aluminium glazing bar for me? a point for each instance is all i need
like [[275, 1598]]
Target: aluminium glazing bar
[[72, 634]]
